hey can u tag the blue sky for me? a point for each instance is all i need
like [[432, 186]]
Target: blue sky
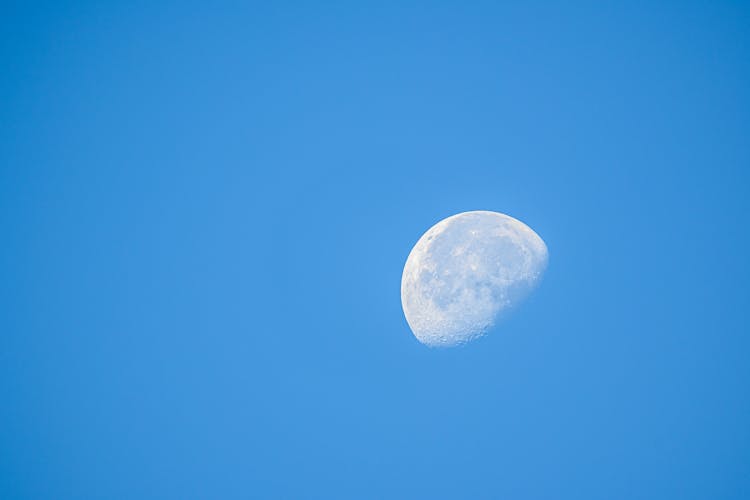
[[205, 212]]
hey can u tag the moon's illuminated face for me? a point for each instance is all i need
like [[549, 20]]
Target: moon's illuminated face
[[465, 272]]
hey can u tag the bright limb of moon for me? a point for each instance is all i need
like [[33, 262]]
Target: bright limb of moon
[[465, 272]]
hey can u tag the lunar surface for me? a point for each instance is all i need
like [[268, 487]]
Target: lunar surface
[[466, 272]]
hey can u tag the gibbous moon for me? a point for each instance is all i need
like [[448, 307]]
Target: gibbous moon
[[466, 272]]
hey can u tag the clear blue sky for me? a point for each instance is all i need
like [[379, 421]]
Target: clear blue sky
[[205, 210]]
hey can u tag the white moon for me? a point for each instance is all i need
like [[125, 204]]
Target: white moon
[[465, 272]]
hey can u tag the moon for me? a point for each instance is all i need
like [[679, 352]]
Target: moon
[[466, 272]]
